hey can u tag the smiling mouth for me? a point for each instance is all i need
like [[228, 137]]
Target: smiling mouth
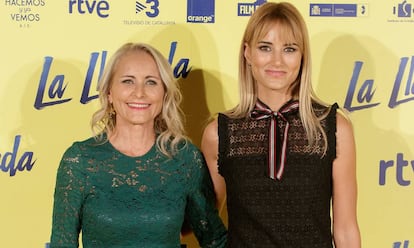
[[276, 73], [138, 105]]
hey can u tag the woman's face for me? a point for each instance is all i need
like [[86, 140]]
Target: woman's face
[[137, 90], [275, 61]]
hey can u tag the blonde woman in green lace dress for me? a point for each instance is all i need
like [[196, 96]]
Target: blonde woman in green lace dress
[[139, 177]]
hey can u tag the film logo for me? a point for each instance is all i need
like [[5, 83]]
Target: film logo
[[247, 9]]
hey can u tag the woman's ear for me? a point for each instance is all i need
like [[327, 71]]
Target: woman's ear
[[110, 97], [247, 52]]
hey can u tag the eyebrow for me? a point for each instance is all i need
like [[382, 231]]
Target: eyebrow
[[291, 44], [153, 76], [265, 42], [270, 43], [127, 75], [146, 77]]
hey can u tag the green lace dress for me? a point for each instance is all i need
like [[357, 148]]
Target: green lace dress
[[121, 201]]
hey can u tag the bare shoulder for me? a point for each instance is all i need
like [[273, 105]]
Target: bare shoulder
[[210, 133], [343, 124], [209, 143], [345, 146]]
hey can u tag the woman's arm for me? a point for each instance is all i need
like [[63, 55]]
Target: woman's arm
[[201, 212], [345, 225], [68, 199], [209, 147]]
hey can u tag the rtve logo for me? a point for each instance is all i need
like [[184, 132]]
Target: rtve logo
[[401, 169], [100, 7]]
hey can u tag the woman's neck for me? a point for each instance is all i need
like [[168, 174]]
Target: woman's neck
[[274, 102], [135, 141]]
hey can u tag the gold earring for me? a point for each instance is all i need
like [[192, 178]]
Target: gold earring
[[111, 111]]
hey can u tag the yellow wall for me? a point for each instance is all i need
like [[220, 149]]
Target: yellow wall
[[364, 63]]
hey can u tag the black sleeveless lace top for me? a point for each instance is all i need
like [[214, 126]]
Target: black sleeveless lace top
[[291, 212]]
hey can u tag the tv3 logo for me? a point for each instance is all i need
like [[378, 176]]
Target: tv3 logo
[[152, 5], [403, 9]]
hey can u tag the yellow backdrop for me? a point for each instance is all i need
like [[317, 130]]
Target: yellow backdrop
[[52, 53]]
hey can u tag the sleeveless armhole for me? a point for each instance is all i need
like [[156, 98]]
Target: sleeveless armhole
[[222, 121], [331, 132]]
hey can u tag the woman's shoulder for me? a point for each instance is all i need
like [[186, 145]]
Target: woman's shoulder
[[74, 156], [317, 105], [323, 109], [90, 141], [188, 151], [186, 147], [83, 146], [211, 128]]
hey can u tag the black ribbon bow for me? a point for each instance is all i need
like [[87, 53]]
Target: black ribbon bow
[[261, 111]]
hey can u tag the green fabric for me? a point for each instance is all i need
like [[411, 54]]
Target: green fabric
[[122, 201]]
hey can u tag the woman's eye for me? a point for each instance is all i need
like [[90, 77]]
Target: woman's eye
[[151, 82], [265, 48], [127, 81], [290, 49]]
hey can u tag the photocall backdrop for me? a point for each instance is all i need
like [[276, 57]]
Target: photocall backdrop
[[53, 52]]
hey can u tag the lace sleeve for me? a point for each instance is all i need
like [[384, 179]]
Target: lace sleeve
[[68, 199], [201, 212]]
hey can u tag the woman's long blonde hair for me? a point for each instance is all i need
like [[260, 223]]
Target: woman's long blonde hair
[[168, 125], [293, 25]]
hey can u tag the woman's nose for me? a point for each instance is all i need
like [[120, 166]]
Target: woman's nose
[[139, 90], [277, 57]]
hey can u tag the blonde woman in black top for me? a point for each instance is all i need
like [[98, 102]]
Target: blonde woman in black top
[[282, 157]]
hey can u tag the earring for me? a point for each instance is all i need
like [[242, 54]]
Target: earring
[[111, 111]]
